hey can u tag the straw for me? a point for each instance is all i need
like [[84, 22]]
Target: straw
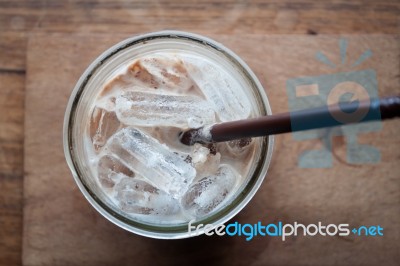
[[322, 117]]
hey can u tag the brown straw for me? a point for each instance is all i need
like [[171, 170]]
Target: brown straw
[[328, 116]]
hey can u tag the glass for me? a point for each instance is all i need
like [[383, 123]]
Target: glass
[[107, 66]]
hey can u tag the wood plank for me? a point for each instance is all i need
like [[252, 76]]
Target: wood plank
[[228, 16], [12, 51], [11, 161], [61, 228]]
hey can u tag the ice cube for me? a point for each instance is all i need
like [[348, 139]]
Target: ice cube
[[111, 170], [106, 102], [135, 75], [158, 164], [140, 75], [208, 193], [199, 154], [223, 91], [238, 146], [205, 162], [140, 108], [168, 71], [140, 197], [102, 125], [154, 72]]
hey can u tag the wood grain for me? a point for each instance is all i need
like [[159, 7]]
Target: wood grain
[[212, 16], [61, 228], [11, 160], [18, 18], [12, 51]]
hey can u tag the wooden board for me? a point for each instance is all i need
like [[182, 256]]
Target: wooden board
[[61, 228], [11, 161], [224, 16]]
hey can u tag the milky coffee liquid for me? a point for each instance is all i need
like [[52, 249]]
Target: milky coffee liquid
[[133, 144]]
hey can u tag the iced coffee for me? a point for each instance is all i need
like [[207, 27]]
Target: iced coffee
[[134, 164], [136, 154]]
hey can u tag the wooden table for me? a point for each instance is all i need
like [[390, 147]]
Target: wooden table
[[18, 19]]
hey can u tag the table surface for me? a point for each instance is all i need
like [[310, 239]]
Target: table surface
[[18, 19]]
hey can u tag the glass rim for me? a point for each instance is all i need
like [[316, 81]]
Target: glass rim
[[256, 178]]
